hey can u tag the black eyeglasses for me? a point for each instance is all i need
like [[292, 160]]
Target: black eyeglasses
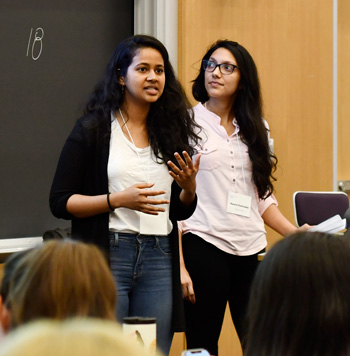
[[225, 68]]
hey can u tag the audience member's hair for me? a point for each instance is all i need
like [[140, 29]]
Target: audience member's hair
[[10, 265], [62, 279], [75, 337], [8, 275], [300, 298]]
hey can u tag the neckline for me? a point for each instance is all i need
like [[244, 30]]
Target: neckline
[[128, 142]]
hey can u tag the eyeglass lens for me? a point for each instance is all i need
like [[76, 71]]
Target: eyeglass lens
[[225, 68]]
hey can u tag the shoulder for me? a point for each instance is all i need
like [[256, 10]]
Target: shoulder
[[198, 109], [90, 128], [200, 114], [92, 123]]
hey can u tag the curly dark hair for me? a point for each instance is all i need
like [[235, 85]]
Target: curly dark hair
[[248, 113], [170, 123]]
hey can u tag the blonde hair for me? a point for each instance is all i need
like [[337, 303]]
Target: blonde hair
[[72, 337], [62, 279]]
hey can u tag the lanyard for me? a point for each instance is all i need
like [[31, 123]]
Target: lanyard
[[138, 155]]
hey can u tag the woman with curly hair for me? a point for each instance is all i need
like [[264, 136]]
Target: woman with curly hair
[[125, 176], [222, 239]]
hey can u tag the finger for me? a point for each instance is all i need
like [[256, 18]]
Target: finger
[[196, 163], [144, 185], [190, 293], [188, 159], [192, 298], [181, 162], [149, 212], [174, 175], [184, 291], [152, 193], [173, 167], [153, 202], [152, 210]]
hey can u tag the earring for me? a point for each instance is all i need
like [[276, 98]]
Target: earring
[[123, 89]]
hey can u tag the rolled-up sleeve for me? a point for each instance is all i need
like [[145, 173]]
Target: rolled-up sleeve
[[263, 204]]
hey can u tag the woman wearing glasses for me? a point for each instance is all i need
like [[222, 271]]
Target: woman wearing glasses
[[222, 239]]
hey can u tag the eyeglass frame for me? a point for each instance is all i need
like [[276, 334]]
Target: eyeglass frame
[[206, 61]]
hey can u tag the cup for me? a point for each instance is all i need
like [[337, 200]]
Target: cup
[[142, 330]]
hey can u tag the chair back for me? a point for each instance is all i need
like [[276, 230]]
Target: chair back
[[312, 207]]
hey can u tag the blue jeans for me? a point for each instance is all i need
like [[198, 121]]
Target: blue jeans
[[142, 269]]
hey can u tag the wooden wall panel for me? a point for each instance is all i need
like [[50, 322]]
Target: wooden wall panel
[[343, 90]]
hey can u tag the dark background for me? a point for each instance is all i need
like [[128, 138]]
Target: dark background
[[41, 98]]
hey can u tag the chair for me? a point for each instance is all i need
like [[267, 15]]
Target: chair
[[347, 217], [314, 207]]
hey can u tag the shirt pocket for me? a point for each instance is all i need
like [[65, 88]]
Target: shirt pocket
[[210, 158]]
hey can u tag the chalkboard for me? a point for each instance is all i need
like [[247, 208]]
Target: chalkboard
[[52, 53]]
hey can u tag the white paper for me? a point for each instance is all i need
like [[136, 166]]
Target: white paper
[[331, 225]]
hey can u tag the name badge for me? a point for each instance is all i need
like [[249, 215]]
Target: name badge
[[154, 224], [239, 204]]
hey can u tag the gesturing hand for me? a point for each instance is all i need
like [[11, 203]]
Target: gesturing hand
[[137, 197], [185, 176]]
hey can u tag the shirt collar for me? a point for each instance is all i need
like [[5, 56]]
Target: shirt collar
[[217, 118]]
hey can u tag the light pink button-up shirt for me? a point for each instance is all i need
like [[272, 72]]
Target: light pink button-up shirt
[[225, 167]]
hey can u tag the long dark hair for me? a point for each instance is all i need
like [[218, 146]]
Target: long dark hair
[[170, 123], [248, 112], [299, 302]]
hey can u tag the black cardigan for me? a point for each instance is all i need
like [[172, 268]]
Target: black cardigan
[[82, 169]]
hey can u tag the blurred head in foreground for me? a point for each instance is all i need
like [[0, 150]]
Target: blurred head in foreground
[[72, 337], [61, 279], [300, 298]]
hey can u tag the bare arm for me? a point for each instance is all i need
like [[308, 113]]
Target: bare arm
[[135, 197], [278, 222], [186, 281]]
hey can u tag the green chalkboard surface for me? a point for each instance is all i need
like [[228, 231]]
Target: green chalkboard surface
[[52, 53]]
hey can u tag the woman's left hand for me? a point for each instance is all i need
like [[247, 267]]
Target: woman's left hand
[[185, 176]]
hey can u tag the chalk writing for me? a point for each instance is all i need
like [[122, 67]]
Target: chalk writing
[[35, 47]]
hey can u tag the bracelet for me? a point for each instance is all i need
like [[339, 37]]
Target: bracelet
[[109, 203]]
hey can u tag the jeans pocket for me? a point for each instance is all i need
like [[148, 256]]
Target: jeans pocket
[[163, 245]]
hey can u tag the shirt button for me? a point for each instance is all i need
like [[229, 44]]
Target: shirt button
[[234, 180], [231, 152], [232, 166]]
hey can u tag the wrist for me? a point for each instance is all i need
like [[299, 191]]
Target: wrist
[[111, 208], [115, 200], [187, 196]]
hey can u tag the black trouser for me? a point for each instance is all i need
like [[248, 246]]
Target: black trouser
[[218, 277]]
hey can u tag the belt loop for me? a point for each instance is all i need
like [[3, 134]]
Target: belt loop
[[114, 240]]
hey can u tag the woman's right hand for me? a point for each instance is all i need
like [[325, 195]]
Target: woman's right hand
[[187, 285], [139, 197]]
